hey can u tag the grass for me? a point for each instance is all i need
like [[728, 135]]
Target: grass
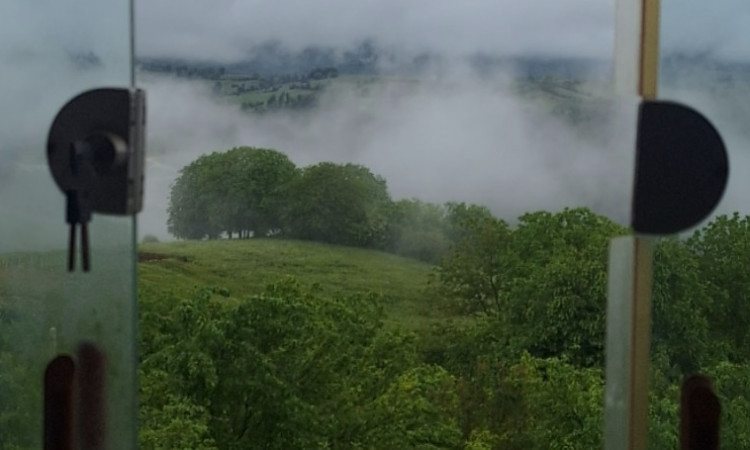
[[246, 267]]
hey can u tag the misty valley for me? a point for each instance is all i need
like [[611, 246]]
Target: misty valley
[[411, 262], [357, 251]]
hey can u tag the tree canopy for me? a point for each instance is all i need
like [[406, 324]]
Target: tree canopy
[[239, 191], [340, 204]]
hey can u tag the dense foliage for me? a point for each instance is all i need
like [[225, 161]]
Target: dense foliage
[[521, 367], [285, 370], [253, 192], [239, 191], [339, 204]]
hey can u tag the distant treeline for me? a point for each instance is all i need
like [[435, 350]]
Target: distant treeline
[[252, 192], [182, 69], [209, 71]]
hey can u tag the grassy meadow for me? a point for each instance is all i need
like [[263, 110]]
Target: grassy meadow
[[246, 267]]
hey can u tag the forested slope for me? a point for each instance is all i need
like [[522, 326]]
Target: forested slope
[[266, 343]]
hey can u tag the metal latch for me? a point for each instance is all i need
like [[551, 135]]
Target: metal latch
[[95, 151]]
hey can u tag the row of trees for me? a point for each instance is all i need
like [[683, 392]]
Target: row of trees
[[258, 192], [246, 192]]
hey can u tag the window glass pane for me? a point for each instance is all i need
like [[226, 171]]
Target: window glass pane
[[49, 53]]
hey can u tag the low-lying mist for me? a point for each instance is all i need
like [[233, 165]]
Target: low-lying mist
[[453, 137]]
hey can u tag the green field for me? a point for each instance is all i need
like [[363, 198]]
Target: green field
[[246, 267], [244, 90]]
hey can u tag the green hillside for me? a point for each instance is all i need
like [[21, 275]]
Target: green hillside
[[246, 267]]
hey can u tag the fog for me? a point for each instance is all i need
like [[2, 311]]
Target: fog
[[226, 29], [456, 137], [452, 135]]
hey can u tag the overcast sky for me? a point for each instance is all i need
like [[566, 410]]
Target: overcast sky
[[224, 29]]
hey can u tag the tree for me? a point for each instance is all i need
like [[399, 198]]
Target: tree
[[558, 295], [722, 249], [418, 411], [258, 181], [194, 198], [479, 263], [339, 204], [417, 229], [546, 279], [681, 302], [561, 405], [238, 191], [460, 218]]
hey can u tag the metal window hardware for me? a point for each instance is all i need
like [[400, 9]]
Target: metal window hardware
[[95, 151]]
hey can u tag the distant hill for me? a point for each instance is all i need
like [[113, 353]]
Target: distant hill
[[368, 58]]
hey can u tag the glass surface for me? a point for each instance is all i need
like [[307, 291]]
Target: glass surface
[[700, 279], [499, 105], [49, 53], [617, 392]]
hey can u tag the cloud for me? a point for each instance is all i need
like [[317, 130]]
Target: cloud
[[227, 29], [720, 28], [449, 139]]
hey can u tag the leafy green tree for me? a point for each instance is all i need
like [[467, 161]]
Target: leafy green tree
[[733, 389], [722, 249], [258, 181], [546, 278], [664, 417], [194, 198], [479, 265], [171, 421], [559, 294], [418, 230], [418, 411], [238, 191], [482, 440], [681, 303], [561, 406], [460, 218], [339, 204]]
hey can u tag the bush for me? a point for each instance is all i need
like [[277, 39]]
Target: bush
[[149, 239]]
